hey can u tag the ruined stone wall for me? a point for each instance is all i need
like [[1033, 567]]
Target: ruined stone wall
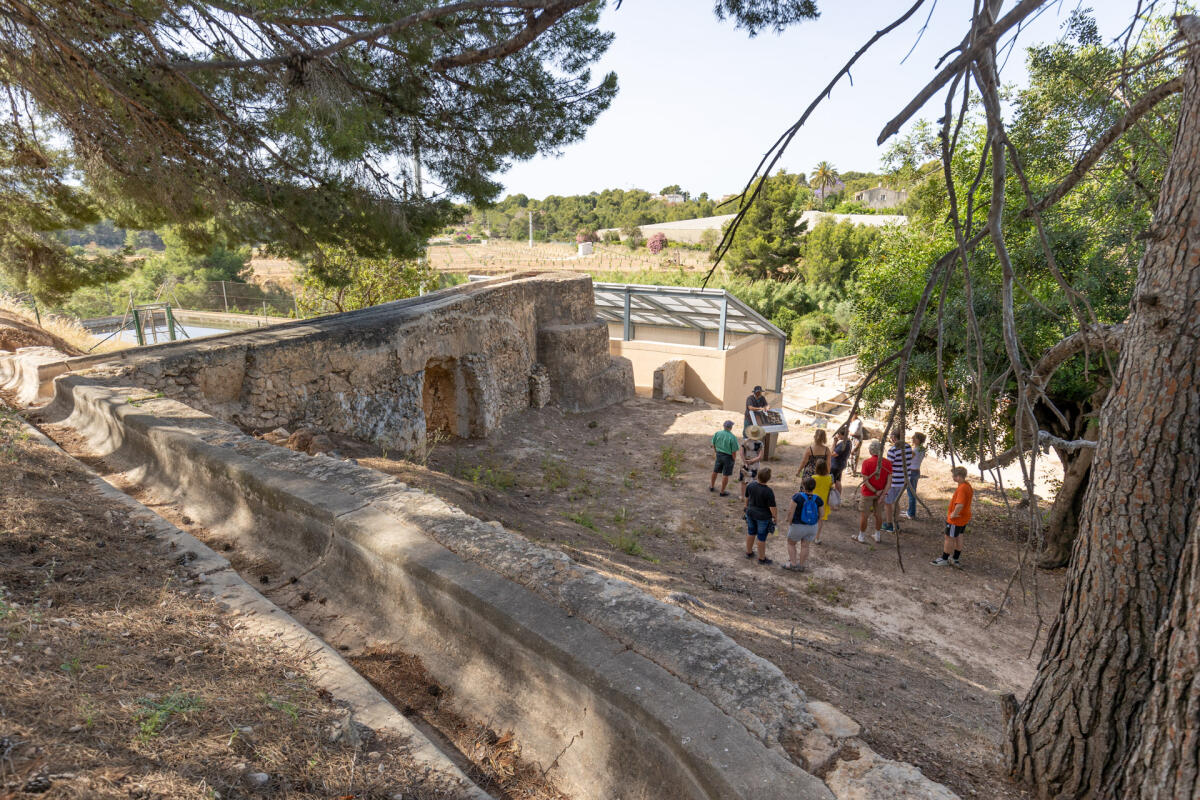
[[463, 358]]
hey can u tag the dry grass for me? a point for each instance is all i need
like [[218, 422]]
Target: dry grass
[[502, 255], [116, 680], [64, 333]]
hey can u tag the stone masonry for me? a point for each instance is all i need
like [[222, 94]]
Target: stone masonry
[[459, 360]]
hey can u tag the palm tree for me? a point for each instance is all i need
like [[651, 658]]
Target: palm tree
[[825, 176]]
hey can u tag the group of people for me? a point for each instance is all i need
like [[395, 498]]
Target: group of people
[[885, 480]]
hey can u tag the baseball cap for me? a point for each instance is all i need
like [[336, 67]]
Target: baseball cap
[[758, 388]]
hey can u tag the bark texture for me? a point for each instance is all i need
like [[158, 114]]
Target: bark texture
[[1062, 519], [1166, 764], [1095, 722]]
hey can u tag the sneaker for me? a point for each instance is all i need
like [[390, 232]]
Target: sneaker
[[724, 494], [941, 562], [712, 488], [766, 561], [878, 537], [749, 555], [906, 515], [861, 539], [955, 562], [887, 526]]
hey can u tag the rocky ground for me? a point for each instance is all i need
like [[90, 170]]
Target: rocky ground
[[117, 680], [918, 655]]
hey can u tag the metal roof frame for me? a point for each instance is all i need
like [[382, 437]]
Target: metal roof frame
[[705, 310], [713, 310]]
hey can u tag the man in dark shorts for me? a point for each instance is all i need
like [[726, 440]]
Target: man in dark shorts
[[755, 401], [762, 515], [724, 445]]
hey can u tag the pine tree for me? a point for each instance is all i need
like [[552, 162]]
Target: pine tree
[[767, 243], [301, 124]]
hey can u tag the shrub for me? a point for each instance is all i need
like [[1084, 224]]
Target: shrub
[[816, 327], [611, 237], [583, 518], [840, 348], [628, 543], [656, 243], [808, 354], [586, 235], [669, 460]]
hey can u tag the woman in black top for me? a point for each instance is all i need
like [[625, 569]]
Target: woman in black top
[[817, 452], [841, 453], [761, 515]]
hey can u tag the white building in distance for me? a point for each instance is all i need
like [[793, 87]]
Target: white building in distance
[[691, 230], [881, 197]]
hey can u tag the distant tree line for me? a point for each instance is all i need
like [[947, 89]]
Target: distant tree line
[[108, 236], [563, 217]]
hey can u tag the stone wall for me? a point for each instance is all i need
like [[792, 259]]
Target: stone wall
[[462, 359], [669, 379]]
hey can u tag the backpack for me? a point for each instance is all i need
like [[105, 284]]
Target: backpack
[[810, 512]]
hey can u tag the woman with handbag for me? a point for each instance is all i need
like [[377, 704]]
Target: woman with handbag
[[816, 453]]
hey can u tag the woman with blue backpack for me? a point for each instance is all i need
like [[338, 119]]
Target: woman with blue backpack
[[805, 514]]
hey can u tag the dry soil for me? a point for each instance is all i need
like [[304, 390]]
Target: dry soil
[[919, 655]]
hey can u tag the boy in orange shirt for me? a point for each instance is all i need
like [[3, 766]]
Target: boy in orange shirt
[[956, 519]]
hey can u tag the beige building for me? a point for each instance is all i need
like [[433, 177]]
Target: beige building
[[881, 197], [727, 348]]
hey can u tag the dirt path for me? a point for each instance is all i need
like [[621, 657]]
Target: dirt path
[[918, 657]]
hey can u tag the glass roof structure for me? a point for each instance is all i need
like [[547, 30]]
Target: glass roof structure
[[708, 310]]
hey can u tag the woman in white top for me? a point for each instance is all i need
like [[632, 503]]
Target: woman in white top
[[854, 426], [914, 473]]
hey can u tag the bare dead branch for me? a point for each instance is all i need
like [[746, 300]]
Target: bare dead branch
[[969, 52], [1044, 439], [1100, 337], [776, 151], [1136, 111]]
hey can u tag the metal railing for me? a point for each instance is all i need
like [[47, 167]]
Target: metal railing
[[834, 369]]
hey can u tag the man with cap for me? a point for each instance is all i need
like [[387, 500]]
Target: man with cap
[[724, 445], [755, 401]]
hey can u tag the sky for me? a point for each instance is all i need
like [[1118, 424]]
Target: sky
[[700, 101]]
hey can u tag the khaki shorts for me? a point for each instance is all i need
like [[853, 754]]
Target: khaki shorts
[[868, 504]]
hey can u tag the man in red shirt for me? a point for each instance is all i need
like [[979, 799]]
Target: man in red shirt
[[877, 473]]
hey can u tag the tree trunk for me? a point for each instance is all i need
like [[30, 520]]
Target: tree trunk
[[1166, 763], [1062, 520], [1094, 723]]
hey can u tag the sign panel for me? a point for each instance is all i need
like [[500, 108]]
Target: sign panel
[[769, 419]]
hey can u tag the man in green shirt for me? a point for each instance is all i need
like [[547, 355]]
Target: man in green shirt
[[724, 445]]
